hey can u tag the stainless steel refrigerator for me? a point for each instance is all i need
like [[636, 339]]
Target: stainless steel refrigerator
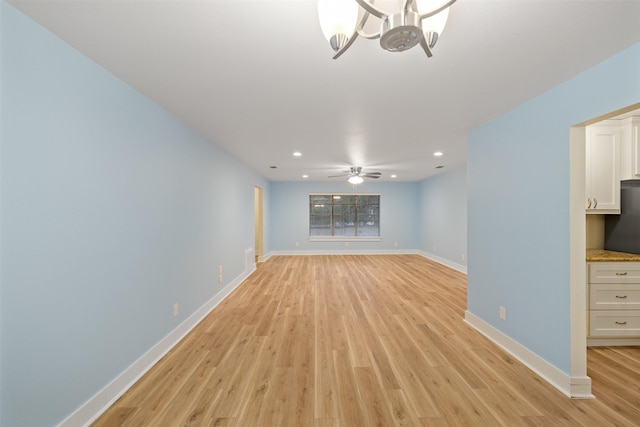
[[622, 232]]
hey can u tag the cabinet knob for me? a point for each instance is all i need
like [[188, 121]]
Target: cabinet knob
[[595, 203], [588, 203]]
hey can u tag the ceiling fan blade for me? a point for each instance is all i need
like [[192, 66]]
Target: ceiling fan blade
[[371, 174], [336, 176], [366, 175]]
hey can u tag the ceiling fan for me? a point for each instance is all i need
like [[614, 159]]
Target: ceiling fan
[[356, 176]]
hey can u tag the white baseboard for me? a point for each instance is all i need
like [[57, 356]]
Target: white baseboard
[[346, 252], [264, 257], [101, 401], [459, 267], [574, 387], [602, 342], [432, 257]]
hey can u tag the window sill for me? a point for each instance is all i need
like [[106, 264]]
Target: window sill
[[344, 239]]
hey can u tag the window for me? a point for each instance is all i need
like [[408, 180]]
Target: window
[[344, 216]]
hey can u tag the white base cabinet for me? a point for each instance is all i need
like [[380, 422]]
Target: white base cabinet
[[614, 303]]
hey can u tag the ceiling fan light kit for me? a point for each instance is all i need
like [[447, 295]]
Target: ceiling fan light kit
[[416, 22], [356, 175]]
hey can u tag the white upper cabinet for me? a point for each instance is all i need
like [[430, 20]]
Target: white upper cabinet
[[603, 168], [630, 148]]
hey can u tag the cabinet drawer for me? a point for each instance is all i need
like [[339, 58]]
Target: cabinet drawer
[[603, 323], [614, 297], [614, 272]]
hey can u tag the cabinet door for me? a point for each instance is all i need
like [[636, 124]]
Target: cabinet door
[[635, 148], [630, 148], [602, 169]]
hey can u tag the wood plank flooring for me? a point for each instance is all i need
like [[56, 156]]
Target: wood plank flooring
[[348, 341]]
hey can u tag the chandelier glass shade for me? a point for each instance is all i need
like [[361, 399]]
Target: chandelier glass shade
[[414, 22], [355, 180], [338, 19]]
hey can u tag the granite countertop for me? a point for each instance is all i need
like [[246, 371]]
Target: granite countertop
[[601, 255]]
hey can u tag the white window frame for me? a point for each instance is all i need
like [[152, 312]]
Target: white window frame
[[345, 238]]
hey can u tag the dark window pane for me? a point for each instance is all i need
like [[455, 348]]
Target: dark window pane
[[368, 200], [322, 199], [343, 200], [368, 211], [320, 220], [368, 231], [319, 209], [320, 231]]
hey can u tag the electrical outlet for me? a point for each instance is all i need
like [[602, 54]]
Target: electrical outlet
[[346, 244], [220, 269], [395, 244], [296, 244], [220, 278], [463, 257], [176, 309], [434, 248], [503, 313]]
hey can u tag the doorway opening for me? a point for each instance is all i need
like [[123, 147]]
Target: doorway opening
[[259, 223], [578, 245]]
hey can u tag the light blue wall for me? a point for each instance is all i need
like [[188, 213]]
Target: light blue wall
[[443, 216], [112, 211], [289, 216], [518, 205], [1, 45]]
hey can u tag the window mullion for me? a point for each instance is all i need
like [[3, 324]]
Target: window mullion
[[355, 206], [333, 231]]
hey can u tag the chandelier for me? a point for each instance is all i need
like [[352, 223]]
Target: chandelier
[[416, 22]]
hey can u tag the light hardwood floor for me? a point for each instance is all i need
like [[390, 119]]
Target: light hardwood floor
[[360, 341]]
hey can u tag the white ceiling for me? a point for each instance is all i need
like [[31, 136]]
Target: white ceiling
[[257, 79]]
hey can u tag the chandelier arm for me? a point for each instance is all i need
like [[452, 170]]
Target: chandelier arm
[[425, 46], [369, 7], [358, 32], [360, 28], [408, 5], [371, 36], [347, 45], [438, 10]]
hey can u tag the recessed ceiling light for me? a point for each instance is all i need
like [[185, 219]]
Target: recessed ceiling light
[[305, 176], [297, 154], [394, 176], [438, 153]]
